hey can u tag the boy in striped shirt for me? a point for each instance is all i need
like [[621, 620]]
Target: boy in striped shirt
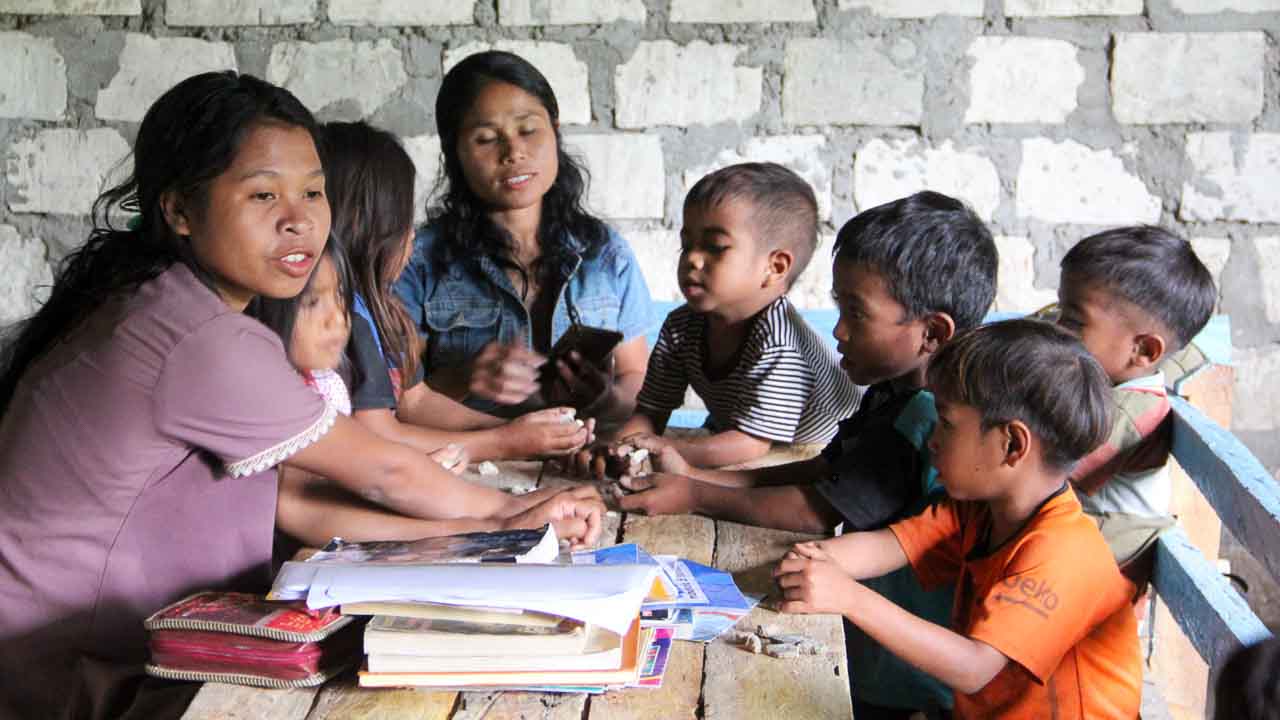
[[765, 375]]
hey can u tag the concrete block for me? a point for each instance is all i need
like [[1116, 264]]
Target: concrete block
[[884, 171], [25, 282], [1016, 290], [1187, 77], [695, 84], [1069, 182], [806, 155], [1256, 373], [916, 8], [1234, 177], [813, 288], [658, 252], [364, 73], [425, 152], [1200, 7], [1022, 80], [569, 76], [1068, 8], [402, 12], [570, 12], [71, 7], [150, 66], [743, 11], [1214, 252], [34, 82], [876, 83], [1268, 250], [628, 179], [62, 171], [238, 12]]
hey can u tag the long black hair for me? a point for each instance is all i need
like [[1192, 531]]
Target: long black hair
[[188, 138], [466, 231]]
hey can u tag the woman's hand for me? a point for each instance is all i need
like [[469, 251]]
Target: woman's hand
[[580, 383], [546, 433], [576, 514], [505, 373]]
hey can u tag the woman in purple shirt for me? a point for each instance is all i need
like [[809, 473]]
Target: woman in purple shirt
[[142, 413]]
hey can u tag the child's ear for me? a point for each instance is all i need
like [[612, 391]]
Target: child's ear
[[1017, 442], [174, 213], [1148, 350], [779, 266], [939, 328]]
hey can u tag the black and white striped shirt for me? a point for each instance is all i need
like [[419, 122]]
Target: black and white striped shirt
[[786, 385]]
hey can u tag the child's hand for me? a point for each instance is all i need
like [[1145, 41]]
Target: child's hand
[[505, 373], [659, 494], [452, 457], [662, 454], [811, 582], [579, 382], [548, 433], [576, 515]]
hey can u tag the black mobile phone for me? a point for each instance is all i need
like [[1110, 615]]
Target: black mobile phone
[[592, 343]]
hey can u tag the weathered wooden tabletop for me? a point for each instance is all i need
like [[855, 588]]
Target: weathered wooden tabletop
[[717, 681]]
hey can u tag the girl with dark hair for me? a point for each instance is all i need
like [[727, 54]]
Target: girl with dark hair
[[511, 259], [142, 413], [370, 181]]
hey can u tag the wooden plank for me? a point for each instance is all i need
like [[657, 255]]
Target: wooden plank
[[519, 476], [1210, 612], [742, 685], [519, 706], [343, 699], [1240, 489], [220, 701]]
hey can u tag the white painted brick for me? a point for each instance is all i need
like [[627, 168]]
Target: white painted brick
[[883, 172], [1068, 182], [71, 7], [742, 11], [658, 252], [1214, 252], [916, 8], [806, 155], [628, 179], [34, 81], [1200, 7], [1015, 283], [869, 88], [25, 282], [150, 66], [1256, 372], [569, 12], [813, 288], [1067, 8], [1187, 77], [61, 170], [402, 12], [1234, 177], [696, 84], [425, 152], [569, 76], [1268, 249], [1022, 80], [367, 73], [238, 12]]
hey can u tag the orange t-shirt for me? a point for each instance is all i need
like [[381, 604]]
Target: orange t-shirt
[[1051, 599]]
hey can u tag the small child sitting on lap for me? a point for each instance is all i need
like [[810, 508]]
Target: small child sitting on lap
[[1042, 625], [1133, 295], [765, 375]]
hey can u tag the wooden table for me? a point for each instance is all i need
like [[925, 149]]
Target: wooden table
[[716, 681]]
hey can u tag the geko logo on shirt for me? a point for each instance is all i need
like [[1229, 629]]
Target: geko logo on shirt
[[1035, 595]]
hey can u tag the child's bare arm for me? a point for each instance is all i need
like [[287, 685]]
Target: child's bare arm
[[860, 555], [785, 507], [720, 449], [811, 582]]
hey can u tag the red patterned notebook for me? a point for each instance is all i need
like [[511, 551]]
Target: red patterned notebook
[[244, 639]]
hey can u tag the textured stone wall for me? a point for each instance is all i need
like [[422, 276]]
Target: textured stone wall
[[1053, 118]]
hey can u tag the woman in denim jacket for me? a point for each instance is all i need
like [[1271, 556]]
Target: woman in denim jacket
[[510, 258]]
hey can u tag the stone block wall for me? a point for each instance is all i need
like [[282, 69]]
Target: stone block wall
[[1052, 118]]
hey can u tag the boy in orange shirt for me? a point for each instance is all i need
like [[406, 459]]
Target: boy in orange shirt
[[1041, 625]]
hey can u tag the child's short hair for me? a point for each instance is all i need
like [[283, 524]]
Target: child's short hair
[[1248, 687], [1152, 268], [1033, 371], [783, 205], [934, 253]]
